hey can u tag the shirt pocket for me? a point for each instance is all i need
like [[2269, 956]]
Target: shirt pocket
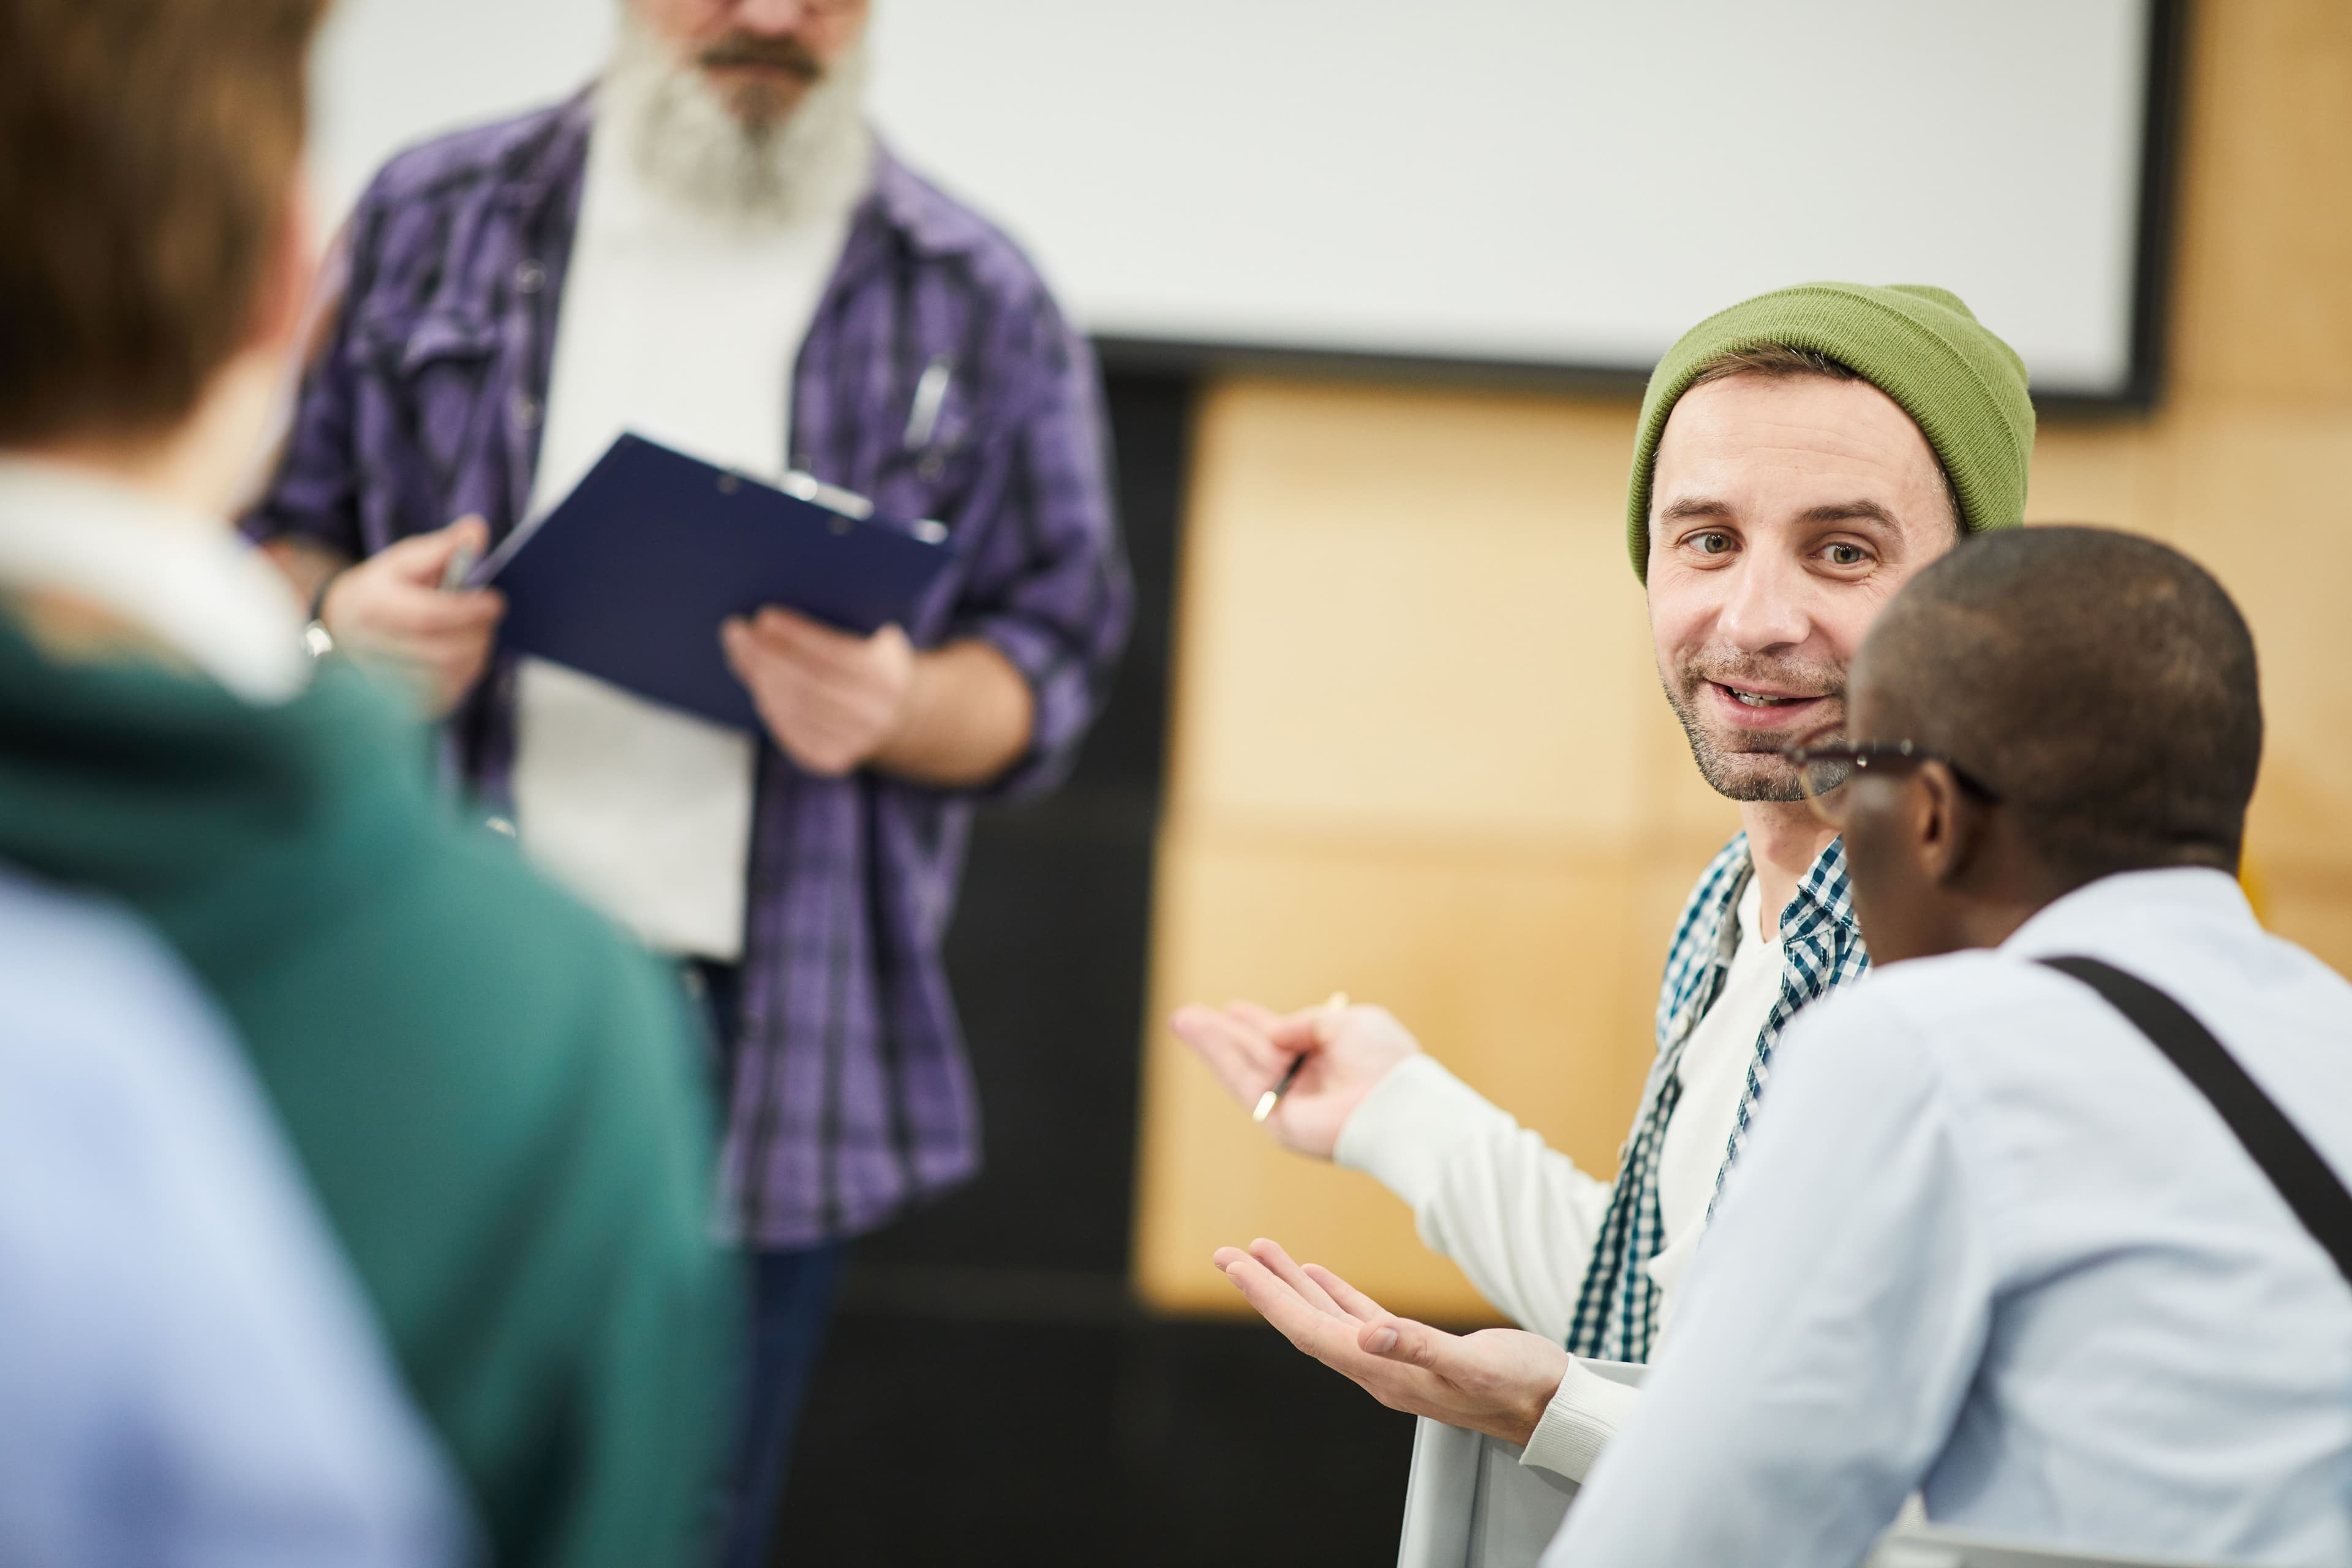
[[436, 366], [939, 447]]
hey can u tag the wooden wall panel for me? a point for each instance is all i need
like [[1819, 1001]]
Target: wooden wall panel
[[1420, 751], [1531, 987], [2265, 308], [1370, 667]]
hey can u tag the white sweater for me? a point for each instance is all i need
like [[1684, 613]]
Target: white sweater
[[1521, 1218]]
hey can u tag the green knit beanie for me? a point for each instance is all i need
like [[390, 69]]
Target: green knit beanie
[[1963, 387]]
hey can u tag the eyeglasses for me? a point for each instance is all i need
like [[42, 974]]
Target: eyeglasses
[[1823, 770]]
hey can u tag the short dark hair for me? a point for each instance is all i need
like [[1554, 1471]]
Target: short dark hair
[[2102, 684], [146, 150], [1781, 362]]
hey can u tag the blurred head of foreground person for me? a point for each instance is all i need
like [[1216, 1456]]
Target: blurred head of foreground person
[[1990, 1242], [168, 1288], [1800, 455], [490, 1095]]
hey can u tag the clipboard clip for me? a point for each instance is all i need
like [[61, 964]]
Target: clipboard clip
[[833, 498], [850, 504]]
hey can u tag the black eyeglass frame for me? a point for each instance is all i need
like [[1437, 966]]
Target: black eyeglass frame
[[1890, 754]]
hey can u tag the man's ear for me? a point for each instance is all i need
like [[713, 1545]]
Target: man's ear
[[1948, 824]]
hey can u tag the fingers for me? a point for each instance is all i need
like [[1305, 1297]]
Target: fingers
[[438, 675], [844, 680], [1241, 1057], [1265, 1020], [404, 611], [1329, 1340], [829, 720], [817, 689], [1399, 1339], [422, 558], [1353, 1301], [808, 642], [1273, 1257], [1308, 1029], [1403, 1364]]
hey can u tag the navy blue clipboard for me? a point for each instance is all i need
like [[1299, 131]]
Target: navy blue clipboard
[[629, 577]]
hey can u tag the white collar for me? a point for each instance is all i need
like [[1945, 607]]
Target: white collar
[[2096, 909], [184, 579]]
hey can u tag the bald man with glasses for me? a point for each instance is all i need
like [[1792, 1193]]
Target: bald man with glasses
[[2048, 1222]]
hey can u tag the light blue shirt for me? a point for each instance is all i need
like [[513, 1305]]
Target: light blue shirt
[[188, 1377], [1987, 1243]]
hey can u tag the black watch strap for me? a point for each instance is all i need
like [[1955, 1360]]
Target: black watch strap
[[319, 599]]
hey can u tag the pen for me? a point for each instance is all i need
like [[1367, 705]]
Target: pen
[[461, 566], [1272, 1097], [930, 396]]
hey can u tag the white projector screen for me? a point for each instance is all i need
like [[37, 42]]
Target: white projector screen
[[1548, 183]]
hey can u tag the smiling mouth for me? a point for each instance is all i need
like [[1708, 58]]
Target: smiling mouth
[[1759, 698]]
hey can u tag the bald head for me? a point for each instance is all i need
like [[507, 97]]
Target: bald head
[[2102, 684]]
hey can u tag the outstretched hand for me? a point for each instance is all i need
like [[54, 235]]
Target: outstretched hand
[[1348, 1050], [1496, 1381]]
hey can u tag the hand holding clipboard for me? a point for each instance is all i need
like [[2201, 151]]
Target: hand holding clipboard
[[631, 576]]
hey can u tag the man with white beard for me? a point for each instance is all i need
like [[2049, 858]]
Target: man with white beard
[[709, 247]]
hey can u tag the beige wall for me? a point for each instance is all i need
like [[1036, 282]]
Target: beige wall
[[1420, 752]]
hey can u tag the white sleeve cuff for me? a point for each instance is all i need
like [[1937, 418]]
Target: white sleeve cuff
[[1581, 1419], [1407, 1126]]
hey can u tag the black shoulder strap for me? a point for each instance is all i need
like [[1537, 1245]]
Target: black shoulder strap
[[2310, 1188]]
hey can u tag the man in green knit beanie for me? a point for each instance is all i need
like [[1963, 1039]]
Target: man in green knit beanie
[[495, 1100], [1800, 457]]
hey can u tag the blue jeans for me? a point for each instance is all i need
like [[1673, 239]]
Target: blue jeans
[[792, 1300], [792, 1295]]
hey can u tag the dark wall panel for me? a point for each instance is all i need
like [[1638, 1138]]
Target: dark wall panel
[[990, 1394]]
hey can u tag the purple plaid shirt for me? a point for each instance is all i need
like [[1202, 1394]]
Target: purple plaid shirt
[[851, 1096]]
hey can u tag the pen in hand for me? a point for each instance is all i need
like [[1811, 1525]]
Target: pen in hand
[[1272, 1097], [461, 566]]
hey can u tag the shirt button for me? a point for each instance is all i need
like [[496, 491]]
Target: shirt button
[[526, 410], [499, 826], [529, 276]]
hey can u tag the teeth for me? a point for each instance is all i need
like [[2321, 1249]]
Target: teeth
[[1755, 699]]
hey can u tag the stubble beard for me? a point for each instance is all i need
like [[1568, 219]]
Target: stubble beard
[[1747, 765]]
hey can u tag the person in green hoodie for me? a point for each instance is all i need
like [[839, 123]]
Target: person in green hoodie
[[495, 1097]]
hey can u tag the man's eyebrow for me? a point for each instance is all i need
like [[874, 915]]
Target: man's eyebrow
[[1688, 507], [1850, 511], [1685, 509]]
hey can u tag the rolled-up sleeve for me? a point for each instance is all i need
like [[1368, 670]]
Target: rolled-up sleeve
[[1048, 585]]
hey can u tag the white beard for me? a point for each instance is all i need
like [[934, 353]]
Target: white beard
[[687, 144]]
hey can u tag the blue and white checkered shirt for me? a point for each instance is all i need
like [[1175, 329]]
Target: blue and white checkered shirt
[[1617, 1307]]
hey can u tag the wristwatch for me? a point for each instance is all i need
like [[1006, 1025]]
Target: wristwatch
[[317, 640]]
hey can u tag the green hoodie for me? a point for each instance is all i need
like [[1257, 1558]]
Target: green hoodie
[[494, 1094]]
